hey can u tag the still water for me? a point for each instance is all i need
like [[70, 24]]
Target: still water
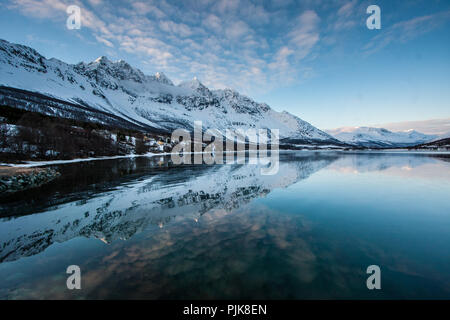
[[143, 228]]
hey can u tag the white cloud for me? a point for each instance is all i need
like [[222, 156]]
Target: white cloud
[[406, 30], [236, 30], [40, 8], [346, 10], [226, 6], [223, 43], [176, 28], [143, 8], [346, 16], [104, 41], [95, 2], [280, 60], [213, 22], [305, 33]]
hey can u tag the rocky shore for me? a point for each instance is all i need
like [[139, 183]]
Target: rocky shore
[[19, 179]]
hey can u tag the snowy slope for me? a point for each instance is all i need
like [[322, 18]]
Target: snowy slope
[[379, 137], [116, 93]]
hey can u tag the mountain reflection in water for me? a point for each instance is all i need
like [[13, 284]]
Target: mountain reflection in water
[[226, 231]]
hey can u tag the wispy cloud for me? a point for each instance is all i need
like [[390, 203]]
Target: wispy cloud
[[346, 16], [406, 30], [41, 9], [220, 42], [245, 44], [305, 33]]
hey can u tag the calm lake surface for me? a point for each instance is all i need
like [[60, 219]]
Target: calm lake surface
[[143, 228]]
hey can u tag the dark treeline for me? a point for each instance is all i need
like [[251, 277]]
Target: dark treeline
[[48, 138], [42, 137]]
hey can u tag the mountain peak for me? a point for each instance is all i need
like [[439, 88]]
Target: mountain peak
[[22, 52], [102, 60], [162, 78], [193, 84]]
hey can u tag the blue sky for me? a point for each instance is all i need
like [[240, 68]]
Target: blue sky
[[313, 58]]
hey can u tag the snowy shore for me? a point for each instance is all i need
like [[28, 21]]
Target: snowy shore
[[32, 164]]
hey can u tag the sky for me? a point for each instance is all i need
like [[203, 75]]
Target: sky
[[313, 58]]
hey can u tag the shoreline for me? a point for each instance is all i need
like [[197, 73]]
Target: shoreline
[[36, 164], [15, 179]]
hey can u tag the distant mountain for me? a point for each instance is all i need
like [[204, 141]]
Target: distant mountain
[[115, 93], [444, 135], [379, 137]]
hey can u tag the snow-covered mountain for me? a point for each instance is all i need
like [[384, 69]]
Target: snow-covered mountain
[[379, 137], [115, 93]]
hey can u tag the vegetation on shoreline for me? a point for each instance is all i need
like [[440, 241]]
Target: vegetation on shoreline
[[28, 135]]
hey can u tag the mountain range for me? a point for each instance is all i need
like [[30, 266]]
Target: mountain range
[[117, 94], [380, 137]]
